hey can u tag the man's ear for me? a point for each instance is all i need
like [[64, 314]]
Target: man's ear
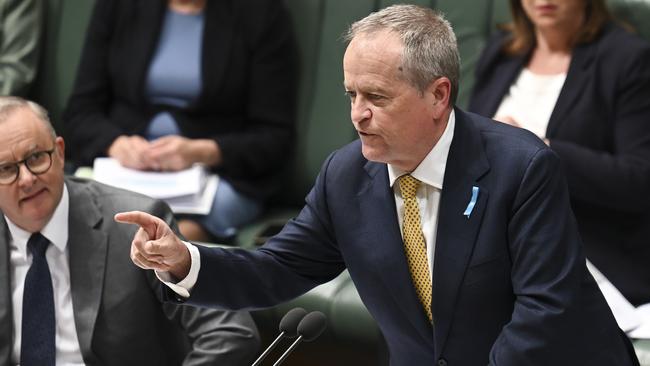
[[60, 147], [440, 91]]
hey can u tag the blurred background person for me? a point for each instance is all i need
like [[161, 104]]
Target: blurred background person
[[69, 293], [21, 23], [565, 71], [164, 84]]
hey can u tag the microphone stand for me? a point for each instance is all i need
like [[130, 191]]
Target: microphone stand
[[286, 353], [268, 349]]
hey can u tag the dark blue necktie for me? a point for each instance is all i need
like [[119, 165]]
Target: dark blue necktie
[[38, 328]]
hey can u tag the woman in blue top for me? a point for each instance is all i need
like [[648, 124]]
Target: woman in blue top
[[164, 84]]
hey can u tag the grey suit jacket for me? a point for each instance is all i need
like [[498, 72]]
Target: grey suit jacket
[[118, 314]]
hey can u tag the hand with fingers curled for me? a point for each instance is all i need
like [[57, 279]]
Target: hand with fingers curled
[[155, 246], [130, 152], [171, 153]]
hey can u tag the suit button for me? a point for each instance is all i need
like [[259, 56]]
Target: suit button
[[442, 362]]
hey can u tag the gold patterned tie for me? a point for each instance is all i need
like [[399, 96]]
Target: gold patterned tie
[[414, 245]]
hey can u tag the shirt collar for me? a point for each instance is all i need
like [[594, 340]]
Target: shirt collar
[[431, 170], [56, 230]]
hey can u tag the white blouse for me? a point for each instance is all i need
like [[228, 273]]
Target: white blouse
[[531, 100]]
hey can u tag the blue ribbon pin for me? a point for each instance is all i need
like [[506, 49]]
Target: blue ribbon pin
[[472, 202]]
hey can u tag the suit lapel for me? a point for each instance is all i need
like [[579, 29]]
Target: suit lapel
[[574, 84], [150, 15], [457, 233], [506, 74], [6, 314], [87, 247], [217, 39], [394, 272]]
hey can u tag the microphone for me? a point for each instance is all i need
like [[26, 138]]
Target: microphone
[[309, 328], [288, 328]]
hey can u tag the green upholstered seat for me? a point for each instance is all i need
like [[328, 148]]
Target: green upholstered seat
[[65, 30], [323, 119]]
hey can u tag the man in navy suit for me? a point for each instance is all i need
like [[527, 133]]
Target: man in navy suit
[[456, 231]]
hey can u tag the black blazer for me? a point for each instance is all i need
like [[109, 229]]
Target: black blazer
[[600, 128], [510, 285], [248, 75]]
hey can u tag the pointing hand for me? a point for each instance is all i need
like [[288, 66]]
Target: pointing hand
[[155, 246]]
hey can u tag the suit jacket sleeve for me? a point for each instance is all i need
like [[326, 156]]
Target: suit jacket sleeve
[[618, 177], [303, 255], [217, 337], [547, 268], [20, 38], [265, 140]]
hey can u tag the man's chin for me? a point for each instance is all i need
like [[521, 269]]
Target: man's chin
[[372, 155], [36, 211], [30, 220]]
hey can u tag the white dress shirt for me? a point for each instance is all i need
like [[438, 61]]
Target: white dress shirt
[[430, 172], [531, 100], [68, 351]]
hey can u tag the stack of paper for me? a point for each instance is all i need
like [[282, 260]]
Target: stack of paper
[[189, 191], [634, 321]]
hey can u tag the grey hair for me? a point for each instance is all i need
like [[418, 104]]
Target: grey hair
[[430, 48], [9, 104]]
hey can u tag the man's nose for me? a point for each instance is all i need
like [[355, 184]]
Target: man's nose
[[25, 177], [359, 111]]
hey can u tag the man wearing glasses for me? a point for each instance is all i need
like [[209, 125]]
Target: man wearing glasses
[[69, 293]]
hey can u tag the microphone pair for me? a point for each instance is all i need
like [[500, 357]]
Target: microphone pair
[[296, 322]]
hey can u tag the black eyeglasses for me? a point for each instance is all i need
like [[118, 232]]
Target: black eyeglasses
[[37, 163]]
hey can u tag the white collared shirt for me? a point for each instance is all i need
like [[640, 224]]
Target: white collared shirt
[[68, 351], [431, 173]]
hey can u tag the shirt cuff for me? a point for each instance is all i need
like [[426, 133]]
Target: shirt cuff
[[184, 286]]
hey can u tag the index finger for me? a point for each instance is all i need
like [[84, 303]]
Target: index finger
[[139, 218]]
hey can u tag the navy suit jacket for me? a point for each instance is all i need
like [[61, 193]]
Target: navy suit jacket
[[510, 285], [600, 129]]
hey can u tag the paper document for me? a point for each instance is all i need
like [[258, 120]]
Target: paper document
[[634, 321], [199, 204], [642, 331], [189, 191]]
